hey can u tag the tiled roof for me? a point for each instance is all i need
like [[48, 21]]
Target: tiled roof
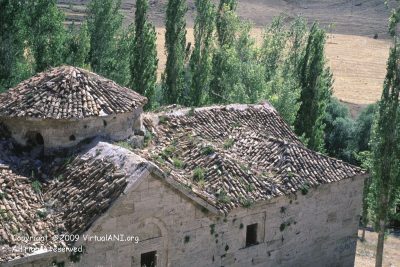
[[68, 93], [222, 156], [22, 214], [236, 155], [84, 190], [81, 192]]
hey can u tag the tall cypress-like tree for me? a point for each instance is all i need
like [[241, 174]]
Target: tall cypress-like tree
[[78, 46], [104, 24], [201, 61], [47, 35], [175, 42], [316, 84], [14, 63], [224, 33], [144, 54], [385, 148], [228, 26]]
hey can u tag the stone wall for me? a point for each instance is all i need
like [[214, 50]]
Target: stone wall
[[67, 133], [317, 228]]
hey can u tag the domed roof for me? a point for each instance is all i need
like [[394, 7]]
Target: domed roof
[[68, 93]]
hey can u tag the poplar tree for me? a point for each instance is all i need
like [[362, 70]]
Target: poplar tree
[[104, 25], [316, 90], [175, 42], [47, 35], [385, 149], [201, 59], [78, 46], [224, 33], [228, 26], [144, 54], [14, 63]]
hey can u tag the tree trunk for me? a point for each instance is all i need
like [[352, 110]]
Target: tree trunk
[[363, 234], [384, 205], [379, 248]]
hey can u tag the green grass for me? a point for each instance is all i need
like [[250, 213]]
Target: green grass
[[37, 186], [208, 150], [228, 143], [246, 202], [124, 144], [198, 174], [162, 119], [223, 197], [168, 152], [178, 163]]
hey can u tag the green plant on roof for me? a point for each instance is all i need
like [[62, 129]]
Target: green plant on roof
[[223, 197], [42, 213], [37, 186], [236, 124], [201, 183], [191, 112], [244, 168], [124, 144], [168, 152], [178, 163], [2, 194], [208, 150], [198, 174], [228, 143], [162, 119], [249, 188], [245, 202], [148, 136], [304, 189]]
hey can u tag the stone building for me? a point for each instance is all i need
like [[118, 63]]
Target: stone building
[[65, 105], [217, 186]]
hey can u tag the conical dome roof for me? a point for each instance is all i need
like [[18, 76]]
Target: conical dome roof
[[68, 93]]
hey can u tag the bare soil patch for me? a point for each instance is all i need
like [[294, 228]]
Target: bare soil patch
[[365, 256]]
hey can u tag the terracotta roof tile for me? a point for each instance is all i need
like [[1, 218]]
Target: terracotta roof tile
[[86, 189], [23, 213], [245, 153], [83, 190], [68, 93]]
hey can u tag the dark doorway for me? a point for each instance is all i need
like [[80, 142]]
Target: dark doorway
[[148, 259], [251, 235], [34, 139], [34, 144]]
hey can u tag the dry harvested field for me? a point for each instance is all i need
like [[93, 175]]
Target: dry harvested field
[[365, 256], [357, 60]]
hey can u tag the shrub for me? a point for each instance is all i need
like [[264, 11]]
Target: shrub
[[198, 174]]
